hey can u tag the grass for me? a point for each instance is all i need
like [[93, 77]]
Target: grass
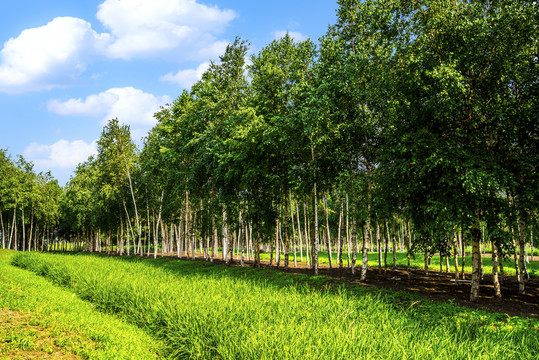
[[41, 320], [208, 311], [416, 262]]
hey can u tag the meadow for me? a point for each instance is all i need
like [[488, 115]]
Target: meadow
[[41, 320], [206, 311]]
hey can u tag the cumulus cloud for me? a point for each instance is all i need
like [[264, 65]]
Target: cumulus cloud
[[49, 56], [293, 34], [61, 155], [186, 78], [141, 27], [131, 106], [54, 55]]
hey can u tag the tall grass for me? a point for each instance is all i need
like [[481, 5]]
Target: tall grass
[[214, 312], [43, 319]]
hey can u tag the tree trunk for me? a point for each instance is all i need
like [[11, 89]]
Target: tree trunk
[[354, 245], [455, 251], [379, 247], [523, 272], [257, 241], [23, 230], [408, 241], [394, 244], [286, 234], [476, 260], [328, 232], [299, 234], [366, 239], [316, 240], [341, 233], [136, 210], [348, 245], [463, 253], [12, 228], [293, 229], [495, 277]]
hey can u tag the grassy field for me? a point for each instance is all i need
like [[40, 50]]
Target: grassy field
[[207, 311], [39, 320], [416, 262]]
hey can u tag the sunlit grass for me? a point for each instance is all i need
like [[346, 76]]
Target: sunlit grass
[[39, 320], [211, 311]]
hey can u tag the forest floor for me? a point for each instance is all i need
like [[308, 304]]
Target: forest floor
[[435, 286]]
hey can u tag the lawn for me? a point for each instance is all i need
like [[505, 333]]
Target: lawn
[[41, 320], [208, 311]]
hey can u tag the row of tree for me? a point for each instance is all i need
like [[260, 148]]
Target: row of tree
[[410, 119], [29, 205]]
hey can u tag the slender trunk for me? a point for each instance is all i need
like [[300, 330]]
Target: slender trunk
[[307, 234], [354, 245], [500, 265], [330, 257], [408, 246], [299, 234], [193, 235], [476, 259], [149, 232], [379, 247], [30, 238], [23, 230], [523, 272], [495, 277], [394, 244], [455, 252], [276, 247], [340, 234], [286, 234], [367, 239], [155, 233], [463, 254], [316, 240], [257, 241], [386, 238], [136, 210], [348, 245], [186, 232], [128, 220], [241, 240], [365, 249], [293, 229], [12, 228]]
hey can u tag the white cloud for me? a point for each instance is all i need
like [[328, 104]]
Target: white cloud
[[186, 78], [54, 55], [131, 106], [142, 27], [293, 34], [92, 105], [61, 155], [49, 56]]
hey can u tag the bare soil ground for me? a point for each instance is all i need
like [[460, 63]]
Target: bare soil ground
[[435, 286]]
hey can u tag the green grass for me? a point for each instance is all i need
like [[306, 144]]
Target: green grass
[[211, 311], [39, 319], [416, 262]]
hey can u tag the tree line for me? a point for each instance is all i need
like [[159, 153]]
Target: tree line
[[412, 124]]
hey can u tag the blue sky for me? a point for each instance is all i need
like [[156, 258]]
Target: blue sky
[[66, 66]]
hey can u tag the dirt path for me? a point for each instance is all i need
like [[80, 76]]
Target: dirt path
[[435, 286]]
